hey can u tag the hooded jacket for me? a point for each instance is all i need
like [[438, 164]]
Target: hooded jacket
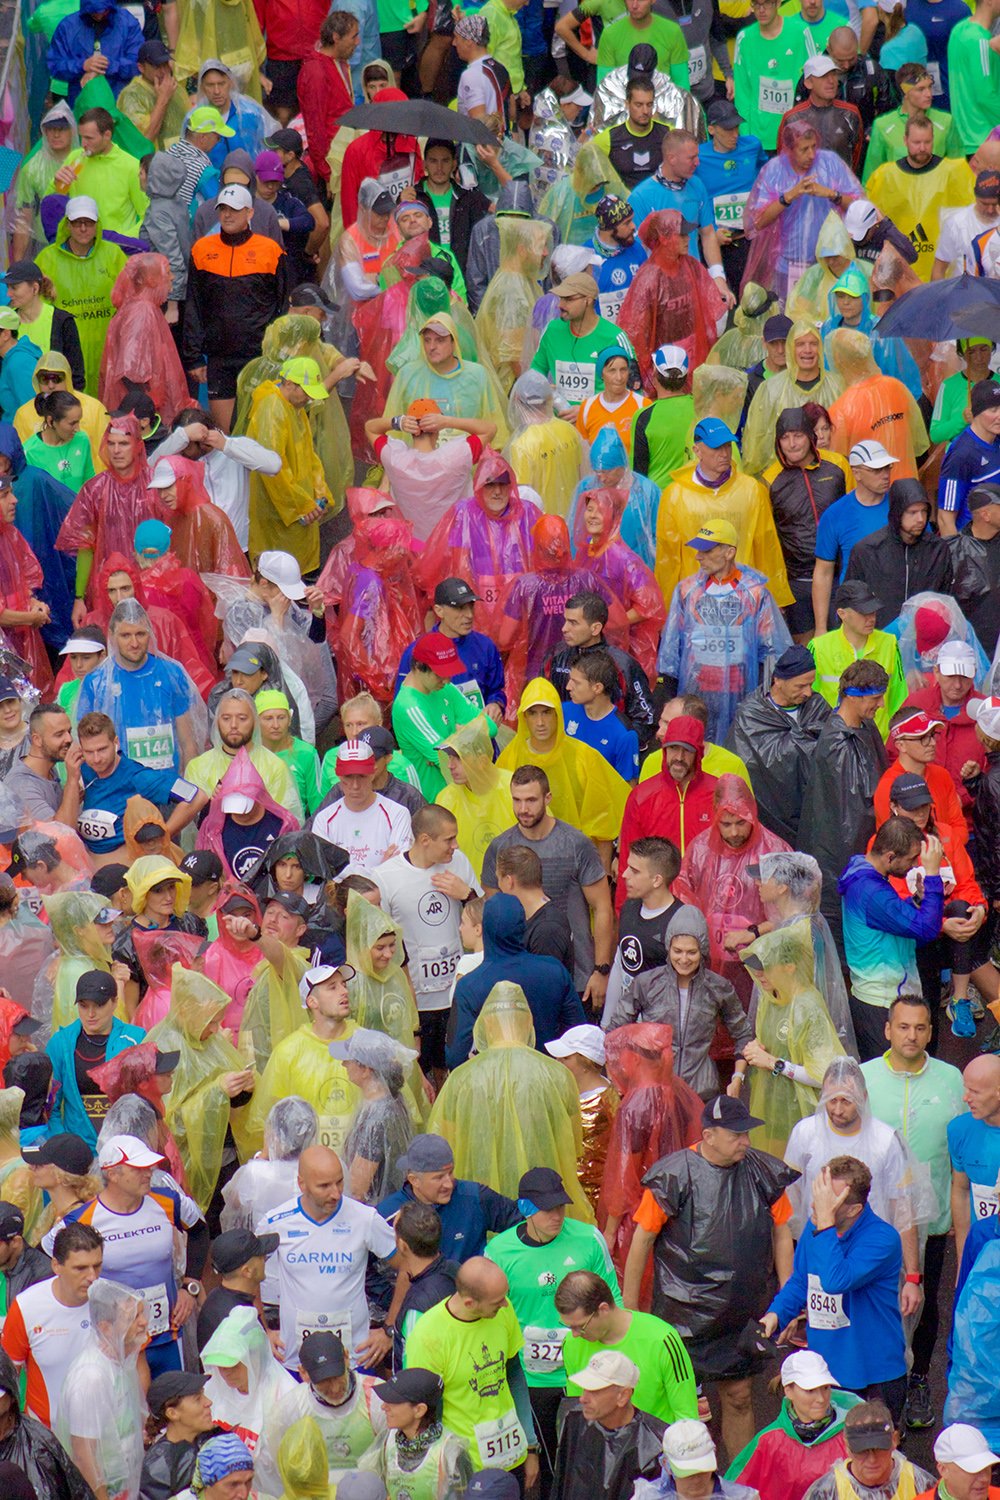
[[17, 367], [776, 747], [83, 288], [483, 254], [73, 41], [659, 807], [800, 495], [36, 1451], [265, 217], [894, 570], [547, 985], [985, 789], [167, 225]]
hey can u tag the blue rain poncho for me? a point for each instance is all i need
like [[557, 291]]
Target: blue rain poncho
[[42, 506], [891, 355], [609, 470], [972, 1385]]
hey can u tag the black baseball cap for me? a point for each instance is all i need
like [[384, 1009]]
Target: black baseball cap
[[493, 1484], [237, 906], [7, 689], [983, 495], [987, 185], [777, 327], [728, 1114], [166, 1062], [383, 204], [96, 985], [171, 1387], [108, 880], [323, 1356], [721, 112], [234, 1248], [26, 1026], [795, 662], [154, 53], [66, 1151], [290, 902], [857, 595], [867, 1435], [23, 270], [11, 1221], [308, 294], [910, 791], [985, 396], [202, 866], [413, 1384], [543, 1187], [455, 591], [285, 140], [379, 741]]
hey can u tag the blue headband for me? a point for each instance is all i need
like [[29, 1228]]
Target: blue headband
[[872, 692], [221, 1456]]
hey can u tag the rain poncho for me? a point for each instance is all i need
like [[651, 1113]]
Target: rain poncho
[[206, 771], [80, 948], [481, 1113], [873, 402], [43, 503], [109, 507], [25, 947], [609, 469], [20, 582], [379, 613], [809, 298], [139, 814], [265, 1181], [95, 418], [659, 1114], [488, 551], [471, 390], [37, 1456], [240, 1340], [138, 348], [128, 1082], [170, 585], [892, 356], [780, 392], [426, 297], [785, 248], [571, 201], [278, 501], [320, 861], [302, 1462], [742, 345], [671, 300], [201, 534], [16, 1184], [630, 583], [718, 391], [482, 806], [504, 315], [552, 139], [85, 288], [241, 777], [36, 175], [197, 1108], [245, 116], [173, 638], [230, 962], [972, 1388], [228, 32], [546, 452], [793, 1022], [273, 1009], [382, 1127], [99, 1420], [381, 999], [302, 1065], [926, 623], [901, 1191], [688, 503], [302, 668], [587, 792]]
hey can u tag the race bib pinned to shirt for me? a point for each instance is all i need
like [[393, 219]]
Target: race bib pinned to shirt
[[728, 209], [151, 745], [94, 824], [501, 1443], [337, 1321], [543, 1350], [984, 1200], [575, 381], [824, 1310], [157, 1307], [610, 304], [697, 65], [775, 95]]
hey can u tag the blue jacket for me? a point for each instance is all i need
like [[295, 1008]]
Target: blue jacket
[[482, 659], [73, 42], [472, 1212], [858, 1279], [16, 370], [547, 984], [69, 1110], [881, 932]]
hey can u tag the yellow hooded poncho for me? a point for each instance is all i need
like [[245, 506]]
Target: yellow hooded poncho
[[148, 871], [15, 1179], [587, 792], [743, 345], [71, 917], [809, 296], [482, 806], [302, 1065], [482, 1110], [381, 999], [779, 393], [273, 1008], [94, 419], [687, 505], [472, 390], [277, 501]]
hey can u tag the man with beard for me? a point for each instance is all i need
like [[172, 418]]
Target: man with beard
[[675, 805], [235, 728], [616, 245]]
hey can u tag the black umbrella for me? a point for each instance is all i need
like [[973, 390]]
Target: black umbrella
[[418, 117], [926, 312], [978, 320]]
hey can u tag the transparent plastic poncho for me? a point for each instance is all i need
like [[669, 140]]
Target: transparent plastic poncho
[[382, 1128], [381, 999], [481, 804], [427, 297], [553, 141], [21, 580], [742, 345], [133, 1114], [228, 31], [481, 1112], [671, 299], [139, 350], [504, 316], [972, 1387], [79, 949], [548, 454], [16, 1185], [242, 778], [240, 1340], [99, 1420], [631, 583], [571, 202], [870, 401], [719, 391], [781, 392], [926, 623], [809, 298], [302, 1462]]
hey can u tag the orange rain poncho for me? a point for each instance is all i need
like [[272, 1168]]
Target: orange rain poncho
[[632, 585], [379, 612], [672, 298], [139, 350], [874, 407]]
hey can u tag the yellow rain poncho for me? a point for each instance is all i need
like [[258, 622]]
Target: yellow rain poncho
[[743, 345], [470, 390], [510, 1107], [302, 1462], [586, 791], [273, 1008], [482, 805], [71, 917], [381, 999], [503, 321], [743, 501], [94, 417], [226, 29], [808, 298], [873, 405], [783, 391], [277, 501], [290, 337], [150, 870], [548, 454], [302, 1065], [198, 1110], [15, 1178], [792, 1022], [719, 391], [572, 200]]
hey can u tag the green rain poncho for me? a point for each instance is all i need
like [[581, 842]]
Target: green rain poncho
[[571, 202], [467, 391], [197, 1107], [381, 999], [71, 917], [793, 1022], [743, 345], [483, 1108], [302, 1462], [290, 337], [781, 392], [428, 296], [36, 174], [808, 297], [83, 288], [503, 322]]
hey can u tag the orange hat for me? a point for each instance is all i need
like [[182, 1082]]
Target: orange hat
[[425, 407]]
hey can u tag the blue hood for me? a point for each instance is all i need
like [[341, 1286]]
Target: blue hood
[[10, 447], [858, 869], [503, 927]]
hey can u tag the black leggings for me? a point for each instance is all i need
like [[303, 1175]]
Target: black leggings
[[926, 1332]]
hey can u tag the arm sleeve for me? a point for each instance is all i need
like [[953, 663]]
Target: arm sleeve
[[197, 1249], [248, 454], [519, 1391]]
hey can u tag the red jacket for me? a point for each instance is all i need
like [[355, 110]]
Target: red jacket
[[324, 94], [957, 741], [947, 808], [366, 157], [657, 808], [290, 27]]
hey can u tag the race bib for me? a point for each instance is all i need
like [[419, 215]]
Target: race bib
[[151, 745], [94, 825], [775, 95], [137, 12], [610, 304], [716, 650], [543, 1350], [984, 1200], [824, 1309], [397, 181], [435, 970], [934, 69], [729, 209], [490, 588], [697, 65], [338, 1322], [574, 381], [157, 1305], [470, 689], [333, 1131], [501, 1444]]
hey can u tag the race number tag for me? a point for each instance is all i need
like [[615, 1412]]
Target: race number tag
[[543, 1350], [501, 1443], [435, 970], [94, 825], [151, 745], [333, 1131], [574, 381], [984, 1200], [397, 181], [934, 69], [824, 1309], [338, 1322], [775, 95], [697, 65], [729, 209], [610, 303], [154, 1300]]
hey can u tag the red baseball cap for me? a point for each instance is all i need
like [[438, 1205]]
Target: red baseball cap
[[354, 758], [916, 726], [438, 652]]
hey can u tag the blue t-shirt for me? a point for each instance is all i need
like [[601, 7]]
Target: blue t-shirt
[[147, 702], [244, 843], [974, 1148], [725, 173], [845, 522], [690, 197], [968, 462], [936, 22], [104, 799], [608, 736]]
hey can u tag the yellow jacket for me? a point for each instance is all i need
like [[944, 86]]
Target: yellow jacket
[[277, 501]]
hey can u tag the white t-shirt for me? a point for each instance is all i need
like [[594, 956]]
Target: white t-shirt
[[958, 231], [429, 920], [321, 1270], [46, 1337], [365, 835], [476, 89]]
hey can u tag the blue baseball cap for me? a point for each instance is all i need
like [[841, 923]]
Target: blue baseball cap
[[713, 432], [152, 538]]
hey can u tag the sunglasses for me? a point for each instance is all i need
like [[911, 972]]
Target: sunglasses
[[53, 377]]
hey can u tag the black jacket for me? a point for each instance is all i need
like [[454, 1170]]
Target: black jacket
[[975, 567], [429, 1287], [468, 206], [35, 1450], [894, 571], [593, 1461], [985, 789], [633, 698], [66, 340], [32, 1267], [777, 750], [798, 499]]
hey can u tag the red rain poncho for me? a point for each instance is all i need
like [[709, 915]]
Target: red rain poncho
[[20, 579], [157, 951], [672, 298], [173, 638], [658, 1114], [241, 776], [109, 507], [229, 964], [10, 1014], [362, 502], [170, 585], [631, 584], [488, 551], [380, 613], [139, 349], [380, 324], [201, 535], [134, 1072], [714, 878], [367, 156]]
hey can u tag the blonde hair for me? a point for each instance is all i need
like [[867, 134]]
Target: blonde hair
[[363, 701]]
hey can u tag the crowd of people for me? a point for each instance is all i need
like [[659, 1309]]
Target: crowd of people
[[500, 752]]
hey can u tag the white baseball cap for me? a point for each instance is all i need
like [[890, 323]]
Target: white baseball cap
[[807, 1369], [688, 1448], [82, 207], [605, 1368], [236, 802], [162, 476], [965, 1446], [234, 196], [818, 66], [956, 659], [986, 713], [670, 357], [127, 1151], [587, 1040], [871, 455], [859, 218], [312, 977], [281, 569]]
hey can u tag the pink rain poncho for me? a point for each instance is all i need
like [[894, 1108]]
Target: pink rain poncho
[[714, 877], [362, 504], [488, 551], [139, 350], [380, 613], [20, 580], [785, 248], [672, 298], [172, 636], [241, 776], [230, 963], [157, 951], [109, 507], [624, 575], [169, 585], [133, 1072], [202, 536]]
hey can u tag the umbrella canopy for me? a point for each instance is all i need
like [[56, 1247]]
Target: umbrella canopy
[[978, 319], [929, 312], [418, 117]]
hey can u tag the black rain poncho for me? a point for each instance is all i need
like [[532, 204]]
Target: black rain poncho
[[36, 1451], [776, 748]]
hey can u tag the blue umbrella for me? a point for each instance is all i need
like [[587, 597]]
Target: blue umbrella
[[926, 312]]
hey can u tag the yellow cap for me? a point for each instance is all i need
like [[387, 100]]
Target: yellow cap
[[306, 373], [714, 534]]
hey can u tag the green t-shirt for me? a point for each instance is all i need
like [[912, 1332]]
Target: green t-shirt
[[660, 436], [948, 417], [303, 762], [471, 1359], [534, 1272], [396, 15], [765, 72], [666, 1386], [604, 11], [442, 207], [618, 39], [920, 1106], [818, 31], [888, 138], [973, 83], [423, 721], [571, 363], [71, 463]]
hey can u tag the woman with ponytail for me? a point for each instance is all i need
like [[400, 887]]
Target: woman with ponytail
[[60, 447]]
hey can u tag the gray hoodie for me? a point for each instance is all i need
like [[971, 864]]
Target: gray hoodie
[[484, 244], [167, 225], [265, 215]]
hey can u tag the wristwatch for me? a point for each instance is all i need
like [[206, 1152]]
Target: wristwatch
[[780, 1066], [604, 969], [782, 200], [192, 1287]]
